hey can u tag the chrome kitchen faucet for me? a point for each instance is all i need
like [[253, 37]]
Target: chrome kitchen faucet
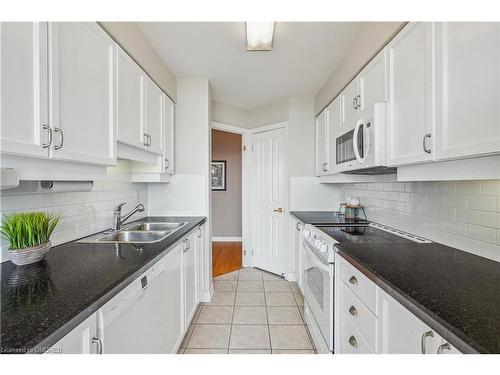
[[117, 215]]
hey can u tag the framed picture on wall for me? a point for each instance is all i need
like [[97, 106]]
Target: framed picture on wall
[[218, 175]]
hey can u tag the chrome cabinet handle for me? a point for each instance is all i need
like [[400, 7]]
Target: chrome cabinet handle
[[353, 311], [442, 347], [98, 342], [61, 138], [424, 143], [298, 227], [49, 135], [325, 167], [187, 245], [167, 164], [353, 341], [145, 141], [149, 142], [423, 342], [358, 101], [353, 280], [354, 105]]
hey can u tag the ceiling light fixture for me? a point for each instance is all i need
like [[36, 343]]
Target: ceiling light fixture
[[260, 36]]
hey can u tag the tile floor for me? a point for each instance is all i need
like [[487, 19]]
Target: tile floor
[[252, 312]]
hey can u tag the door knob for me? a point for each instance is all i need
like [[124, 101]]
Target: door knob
[[280, 210]]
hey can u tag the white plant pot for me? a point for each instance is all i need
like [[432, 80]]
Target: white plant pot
[[29, 255]]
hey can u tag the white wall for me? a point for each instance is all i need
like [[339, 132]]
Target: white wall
[[301, 137], [268, 114], [131, 38], [307, 194], [462, 214], [83, 213], [372, 39], [228, 114]]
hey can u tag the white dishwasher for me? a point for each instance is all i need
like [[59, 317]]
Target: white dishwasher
[[134, 321]]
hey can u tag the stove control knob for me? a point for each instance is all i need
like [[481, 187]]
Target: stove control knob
[[307, 233], [324, 247]]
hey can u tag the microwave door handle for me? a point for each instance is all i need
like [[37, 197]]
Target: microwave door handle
[[355, 142]]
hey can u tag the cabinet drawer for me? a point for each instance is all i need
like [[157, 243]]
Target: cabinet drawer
[[351, 340], [359, 315], [359, 284]]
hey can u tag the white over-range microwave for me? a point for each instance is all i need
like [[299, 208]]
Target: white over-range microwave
[[363, 148]]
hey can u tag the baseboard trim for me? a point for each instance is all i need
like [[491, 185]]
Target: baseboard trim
[[226, 239]]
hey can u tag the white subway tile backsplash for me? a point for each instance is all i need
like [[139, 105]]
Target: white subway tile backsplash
[[307, 194], [462, 214], [82, 213]]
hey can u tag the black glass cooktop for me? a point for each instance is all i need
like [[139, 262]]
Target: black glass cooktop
[[330, 218]]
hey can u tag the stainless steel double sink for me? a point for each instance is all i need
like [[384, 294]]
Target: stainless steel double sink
[[136, 233]]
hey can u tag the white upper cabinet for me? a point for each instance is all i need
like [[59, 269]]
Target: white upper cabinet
[[321, 141], [468, 89], [372, 86], [169, 135], [130, 99], [410, 88], [82, 93], [23, 77], [351, 103], [153, 116]]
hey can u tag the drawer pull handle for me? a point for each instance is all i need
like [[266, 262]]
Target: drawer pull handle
[[424, 340], [445, 346], [353, 341], [353, 311], [353, 280]]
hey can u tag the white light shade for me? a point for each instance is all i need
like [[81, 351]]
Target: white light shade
[[260, 36]]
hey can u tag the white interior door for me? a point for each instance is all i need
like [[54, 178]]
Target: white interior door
[[267, 208]]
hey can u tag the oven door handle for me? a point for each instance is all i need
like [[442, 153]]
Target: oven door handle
[[355, 142], [320, 263]]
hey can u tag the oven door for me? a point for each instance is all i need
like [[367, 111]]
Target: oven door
[[318, 291]]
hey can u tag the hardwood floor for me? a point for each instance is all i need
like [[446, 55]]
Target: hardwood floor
[[226, 257]]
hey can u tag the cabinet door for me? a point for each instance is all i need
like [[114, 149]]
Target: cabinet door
[[468, 89], [79, 340], [23, 95], [190, 277], [403, 332], [153, 116], [350, 105], [372, 85], [169, 131], [201, 260], [334, 125], [130, 92], [410, 86], [174, 316], [82, 94], [321, 141]]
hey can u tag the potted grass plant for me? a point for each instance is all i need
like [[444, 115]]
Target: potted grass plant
[[28, 234]]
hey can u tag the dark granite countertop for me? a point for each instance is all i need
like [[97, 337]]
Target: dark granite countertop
[[41, 303], [316, 217], [455, 293]]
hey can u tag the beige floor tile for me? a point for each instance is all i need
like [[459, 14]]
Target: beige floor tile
[[249, 337], [289, 337], [283, 315], [293, 351], [295, 287], [250, 270], [250, 275], [270, 276], [276, 286], [206, 336], [250, 299], [299, 299], [221, 299], [250, 315], [280, 299], [225, 285], [301, 311], [228, 276], [215, 315], [205, 351], [250, 286], [249, 351], [187, 336]]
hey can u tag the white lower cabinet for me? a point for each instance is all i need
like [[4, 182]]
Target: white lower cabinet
[[190, 277], [371, 321], [296, 230], [81, 340]]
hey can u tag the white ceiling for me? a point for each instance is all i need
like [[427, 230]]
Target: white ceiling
[[304, 55]]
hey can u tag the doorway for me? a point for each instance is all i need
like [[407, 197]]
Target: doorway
[[226, 179]]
